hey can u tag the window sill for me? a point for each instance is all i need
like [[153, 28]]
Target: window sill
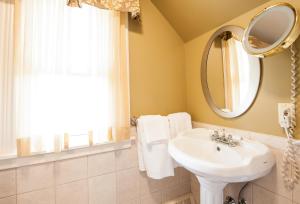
[[9, 162]]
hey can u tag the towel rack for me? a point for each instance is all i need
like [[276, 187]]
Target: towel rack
[[133, 121]]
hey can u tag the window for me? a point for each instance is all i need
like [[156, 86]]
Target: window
[[64, 76]]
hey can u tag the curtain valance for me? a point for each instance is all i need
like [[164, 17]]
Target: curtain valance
[[131, 6]]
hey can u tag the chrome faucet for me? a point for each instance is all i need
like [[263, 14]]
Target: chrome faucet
[[223, 138]]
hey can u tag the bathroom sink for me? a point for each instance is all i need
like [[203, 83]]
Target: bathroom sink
[[216, 164]]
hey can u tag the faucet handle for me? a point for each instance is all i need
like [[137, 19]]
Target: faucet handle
[[229, 138], [223, 133], [213, 132], [214, 135]]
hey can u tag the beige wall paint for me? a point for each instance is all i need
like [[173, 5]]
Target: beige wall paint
[[157, 75], [157, 60], [190, 17], [275, 85]]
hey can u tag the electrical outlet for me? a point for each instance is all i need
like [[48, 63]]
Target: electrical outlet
[[284, 111]]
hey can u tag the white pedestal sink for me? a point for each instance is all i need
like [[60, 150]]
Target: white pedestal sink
[[216, 164]]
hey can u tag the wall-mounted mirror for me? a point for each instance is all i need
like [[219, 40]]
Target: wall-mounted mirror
[[272, 30], [230, 77]]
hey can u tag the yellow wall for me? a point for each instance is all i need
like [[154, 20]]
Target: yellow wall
[[157, 75], [275, 85], [165, 74]]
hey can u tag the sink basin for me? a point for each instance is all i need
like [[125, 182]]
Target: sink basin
[[217, 164]]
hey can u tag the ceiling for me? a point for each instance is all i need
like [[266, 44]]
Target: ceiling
[[190, 18]]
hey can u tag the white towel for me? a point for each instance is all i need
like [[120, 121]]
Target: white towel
[[139, 130], [154, 157], [179, 122], [156, 128]]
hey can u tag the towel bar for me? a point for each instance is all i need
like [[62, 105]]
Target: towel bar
[[133, 121]]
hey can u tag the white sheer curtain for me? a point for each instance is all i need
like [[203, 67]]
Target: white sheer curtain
[[236, 73], [7, 142], [70, 76]]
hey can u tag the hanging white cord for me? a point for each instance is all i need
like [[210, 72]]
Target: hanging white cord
[[290, 169]]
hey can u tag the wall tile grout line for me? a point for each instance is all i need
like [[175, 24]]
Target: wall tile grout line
[[16, 185], [87, 178], [17, 190], [36, 190], [54, 173], [260, 186]]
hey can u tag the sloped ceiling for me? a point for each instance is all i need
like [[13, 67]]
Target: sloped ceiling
[[191, 18]]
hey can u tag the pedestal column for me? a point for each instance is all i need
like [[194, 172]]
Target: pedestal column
[[211, 192]]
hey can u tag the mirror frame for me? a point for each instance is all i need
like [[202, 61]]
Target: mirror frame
[[203, 75], [287, 41]]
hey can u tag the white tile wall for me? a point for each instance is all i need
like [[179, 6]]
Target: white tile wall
[[70, 170], [35, 177], [152, 198], [72, 193], [274, 181], [8, 200], [99, 164], [173, 192], [263, 196], [7, 183], [102, 189], [148, 185], [126, 158], [46, 196], [104, 178], [127, 185]]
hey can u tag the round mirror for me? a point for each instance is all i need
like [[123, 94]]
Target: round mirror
[[270, 31], [230, 77]]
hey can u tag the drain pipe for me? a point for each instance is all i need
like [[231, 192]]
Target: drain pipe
[[230, 200], [242, 201]]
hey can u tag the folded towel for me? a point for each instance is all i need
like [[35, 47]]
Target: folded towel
[[140, 148], [153, 154], [179, 122], [156, 128]]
